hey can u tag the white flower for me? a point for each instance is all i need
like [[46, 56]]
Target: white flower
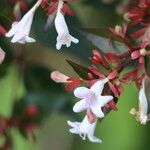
[[141, 114], [64, 37], [21, 30], [84, 129], [92, 98]]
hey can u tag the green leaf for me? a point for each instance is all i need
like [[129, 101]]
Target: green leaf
[[80, 70], [103, 43], [147, 65]]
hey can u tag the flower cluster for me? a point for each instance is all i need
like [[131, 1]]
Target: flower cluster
[[104, 78], [100, 84], [21, 29]]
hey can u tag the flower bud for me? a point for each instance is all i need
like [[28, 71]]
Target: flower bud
[[31, 110], [59, 77]]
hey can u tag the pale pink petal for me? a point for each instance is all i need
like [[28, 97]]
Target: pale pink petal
[[2, 55], [97, 111], [81, 106], [83, 92], [98, 87], [103, 100], [13, 30], [73, 124], [94, 139]]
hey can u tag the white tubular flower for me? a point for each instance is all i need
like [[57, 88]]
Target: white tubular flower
[[92, 98], [64, 37], [141, 113], [20, 30], [84, 129]]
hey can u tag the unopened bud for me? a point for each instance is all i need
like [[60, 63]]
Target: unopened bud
[[90, 76], [135, 54], [59, 77], [31, 110], [143, 52], [126, 16], [118, 29]]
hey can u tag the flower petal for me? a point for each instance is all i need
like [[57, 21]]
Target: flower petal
[[103, 100], [58, 45], [97, 111], [29, 39], [74, 131], [75, 127], [94, 139], [73, 124], [81, 106], [143, 104], [98, 87], [18, 37], [83, 92], [74, 40], [13, 30]]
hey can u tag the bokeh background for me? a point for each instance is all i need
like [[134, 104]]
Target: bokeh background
[[25, 80]]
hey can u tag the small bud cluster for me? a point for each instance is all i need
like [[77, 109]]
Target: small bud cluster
[[26, 124]]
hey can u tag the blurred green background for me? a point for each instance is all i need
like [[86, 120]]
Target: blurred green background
[[25, 80]]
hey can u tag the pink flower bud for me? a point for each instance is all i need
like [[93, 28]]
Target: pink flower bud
[[90, 76], [112, 75], [2, 55], [135, 55], [112, 105], [141, 60], [59, 77]]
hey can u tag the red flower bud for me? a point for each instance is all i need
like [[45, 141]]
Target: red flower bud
[[32, 110], [2, 31]]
